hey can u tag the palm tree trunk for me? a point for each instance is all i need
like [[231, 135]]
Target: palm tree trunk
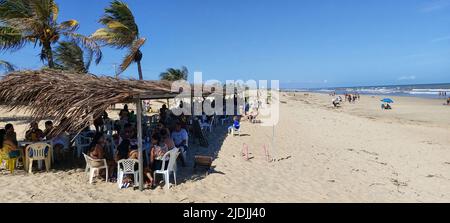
[[49, 54], [140, 70]]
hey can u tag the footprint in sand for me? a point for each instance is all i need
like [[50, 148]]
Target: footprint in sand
[[370, 153]]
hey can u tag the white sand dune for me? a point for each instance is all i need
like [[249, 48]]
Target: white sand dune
[[357, 153]]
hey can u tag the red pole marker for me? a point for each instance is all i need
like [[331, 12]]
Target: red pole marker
[[245, 151], [266, 153]]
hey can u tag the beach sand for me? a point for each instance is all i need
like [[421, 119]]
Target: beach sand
[[356, 153]]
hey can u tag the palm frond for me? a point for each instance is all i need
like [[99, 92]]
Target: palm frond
[[34, 21], [87, 43], [15, 9], [11, 39], [89, 56], [120, 29], [133, 54], [7, 66], [69, 26], [173, 74], [120, 12], [70, 56], [55, 11], [119, 40], [45, 11]]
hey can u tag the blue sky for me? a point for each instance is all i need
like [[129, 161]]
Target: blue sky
[[302, 43]]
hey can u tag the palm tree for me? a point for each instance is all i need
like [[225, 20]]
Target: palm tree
[[121, 31], [175, 74], [35, 21], [6, 66], [70, 56]]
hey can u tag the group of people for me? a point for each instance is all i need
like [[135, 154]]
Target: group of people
[[161, 139], [351, 98], [169, 133], [386, 106], [10, 146]]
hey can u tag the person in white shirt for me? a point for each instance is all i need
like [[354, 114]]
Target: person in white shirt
[[180, 139]]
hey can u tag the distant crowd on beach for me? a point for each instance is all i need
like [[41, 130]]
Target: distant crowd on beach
[[444, 94], [351, 98]]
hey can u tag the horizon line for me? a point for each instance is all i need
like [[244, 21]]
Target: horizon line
[[364, 86]]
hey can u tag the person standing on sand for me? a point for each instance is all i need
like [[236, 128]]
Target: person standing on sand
[[163, 114]]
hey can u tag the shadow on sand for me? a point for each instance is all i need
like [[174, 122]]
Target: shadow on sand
[[215, 139]]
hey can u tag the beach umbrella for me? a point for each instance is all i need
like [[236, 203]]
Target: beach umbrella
[[387, 100]]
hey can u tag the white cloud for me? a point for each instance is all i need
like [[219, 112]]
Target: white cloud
[[435, 6], [440, 39], [403, 78]]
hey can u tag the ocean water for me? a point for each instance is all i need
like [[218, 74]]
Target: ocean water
[[418, 90]]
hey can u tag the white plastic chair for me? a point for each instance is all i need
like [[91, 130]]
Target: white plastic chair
[[81, 143], [235, 131], [171, 167], [37, 152], [92, 169], [126, 166]]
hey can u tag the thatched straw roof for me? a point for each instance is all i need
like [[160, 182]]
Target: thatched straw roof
[[77, 97]]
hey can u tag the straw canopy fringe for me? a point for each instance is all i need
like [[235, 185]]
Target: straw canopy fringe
[[72, 99]]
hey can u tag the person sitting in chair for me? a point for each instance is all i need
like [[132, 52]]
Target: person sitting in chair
[[10, 133], [34, 134], [7, 146], [388, 106], [180, 139], [236, 125], [97, 151]]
